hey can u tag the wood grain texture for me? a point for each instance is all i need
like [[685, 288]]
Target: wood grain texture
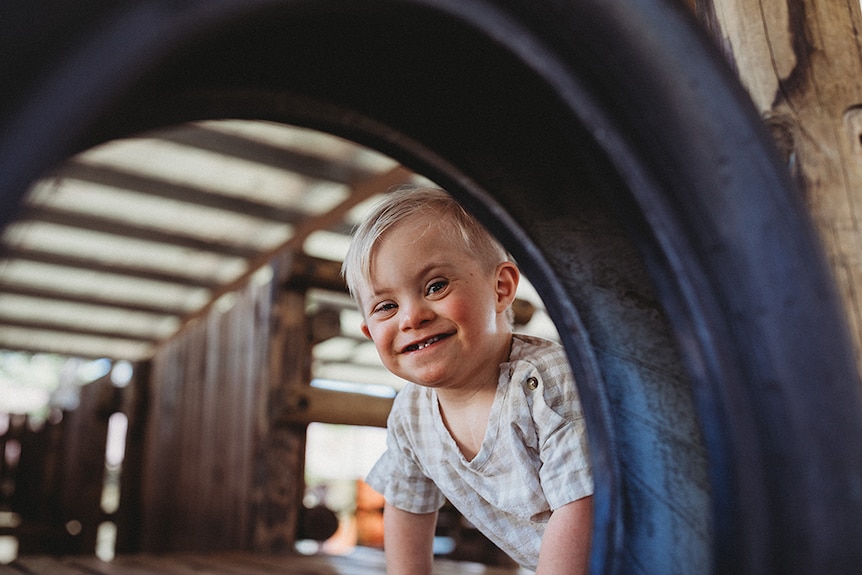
[[801, 62], [362, 561]]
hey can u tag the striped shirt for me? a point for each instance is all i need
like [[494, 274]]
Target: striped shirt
[[532, 460]]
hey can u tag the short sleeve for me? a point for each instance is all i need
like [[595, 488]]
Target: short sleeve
[[565, 474], [397, 475]]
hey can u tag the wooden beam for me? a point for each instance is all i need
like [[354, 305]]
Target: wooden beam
[[55, 294], [114, 268], [310, 272], [70, 350], [152, 186], [58, 327], [313, 167], [380, 183], [311, 404], [109, 226]]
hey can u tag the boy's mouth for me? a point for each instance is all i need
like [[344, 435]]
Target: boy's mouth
[[423, 344]]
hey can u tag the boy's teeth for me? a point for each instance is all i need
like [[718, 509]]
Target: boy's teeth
[[424, 344]]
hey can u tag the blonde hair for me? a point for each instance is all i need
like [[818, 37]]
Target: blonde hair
[[401, 205]]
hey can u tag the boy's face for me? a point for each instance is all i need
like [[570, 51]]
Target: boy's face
[[436, 316]]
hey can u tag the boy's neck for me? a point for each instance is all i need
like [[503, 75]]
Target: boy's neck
[[486, 385], [465, 412]]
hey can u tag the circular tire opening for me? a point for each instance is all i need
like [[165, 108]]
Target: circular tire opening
[[626, 172]]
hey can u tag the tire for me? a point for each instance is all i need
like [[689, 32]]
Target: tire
[[609, 148]]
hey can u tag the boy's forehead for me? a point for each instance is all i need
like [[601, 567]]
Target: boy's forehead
[[403, 233], [428, 217], [420, 227]]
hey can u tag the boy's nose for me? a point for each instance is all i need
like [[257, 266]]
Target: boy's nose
[[414, 314]]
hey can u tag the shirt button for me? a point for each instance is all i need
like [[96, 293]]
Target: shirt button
[[532, 383]]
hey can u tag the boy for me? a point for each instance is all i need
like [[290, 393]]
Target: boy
[[491, 420]]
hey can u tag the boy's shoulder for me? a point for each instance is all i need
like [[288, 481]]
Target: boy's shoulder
[[547, 357], [531, 348]]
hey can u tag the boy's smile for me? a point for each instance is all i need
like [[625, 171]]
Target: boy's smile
[[436, 315], [424, 344]]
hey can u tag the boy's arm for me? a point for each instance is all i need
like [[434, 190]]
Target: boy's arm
[[408, 539], [566, 543]]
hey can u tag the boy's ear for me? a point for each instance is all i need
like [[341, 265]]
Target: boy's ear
[[508, 277], [364, 327]]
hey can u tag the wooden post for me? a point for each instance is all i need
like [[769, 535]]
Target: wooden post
[[36, 482], [128, 514], [279, 482], [801, 62]]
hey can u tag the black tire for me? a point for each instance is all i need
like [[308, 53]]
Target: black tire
[[607, 145]]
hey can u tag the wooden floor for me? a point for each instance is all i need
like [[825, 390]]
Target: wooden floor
[[359, 562]]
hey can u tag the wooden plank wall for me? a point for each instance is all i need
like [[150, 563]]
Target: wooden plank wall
[[215, 448], [55, 485], [207, 428]]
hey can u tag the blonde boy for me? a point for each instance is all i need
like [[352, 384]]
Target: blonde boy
[[491, 420]]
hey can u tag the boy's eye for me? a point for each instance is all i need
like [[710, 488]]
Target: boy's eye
[[384, 307], [437, 286]]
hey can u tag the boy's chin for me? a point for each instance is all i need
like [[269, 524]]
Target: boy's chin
[[415, 378], [433, 381]]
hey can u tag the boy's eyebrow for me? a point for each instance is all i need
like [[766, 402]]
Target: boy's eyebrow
[[428, 268]]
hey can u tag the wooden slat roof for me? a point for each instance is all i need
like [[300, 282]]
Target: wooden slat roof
[[118, 247]]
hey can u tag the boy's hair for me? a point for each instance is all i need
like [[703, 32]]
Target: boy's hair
[[403, 204]]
